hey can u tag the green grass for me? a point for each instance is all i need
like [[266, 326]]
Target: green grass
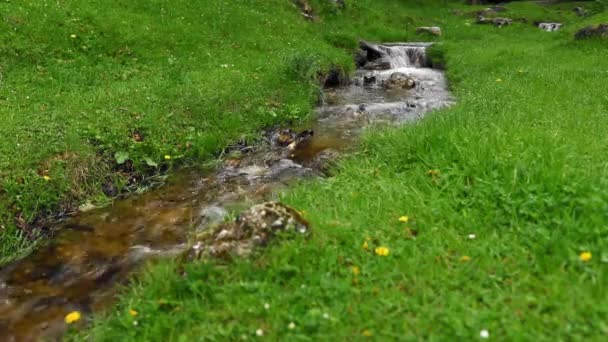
[[79, 77], [520, 162]]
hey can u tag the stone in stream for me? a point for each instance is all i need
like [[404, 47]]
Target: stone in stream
[[399, 80], [253, 229], [378, 64], [432, 30], [549, 27], [324, 160], [600, 31], [498, 22]]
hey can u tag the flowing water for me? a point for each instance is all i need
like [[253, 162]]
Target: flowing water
[[95, 251]]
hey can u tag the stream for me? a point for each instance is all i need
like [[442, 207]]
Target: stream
[[95, 251]]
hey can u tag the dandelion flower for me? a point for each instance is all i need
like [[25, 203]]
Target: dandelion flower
[[167, 157], [367, 333], [259, 332], [73, 36], [72, 317], [404, 219], [356, 270], [291, 326], [484, 334], [472, 236], [133, 312], [585, 256], [465, 258], [365, 245], [382, 251], [266, 306], [46, 178]]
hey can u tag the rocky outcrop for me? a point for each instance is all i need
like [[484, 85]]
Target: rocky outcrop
[[399, 80], [432, 30], [498, 22], [600, 31]]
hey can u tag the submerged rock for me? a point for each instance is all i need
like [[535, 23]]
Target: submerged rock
[[498, 22], [432, 30], [254, 228], [399, 80], [600, 31]]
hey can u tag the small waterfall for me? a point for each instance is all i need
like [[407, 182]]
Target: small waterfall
[[406, 56]]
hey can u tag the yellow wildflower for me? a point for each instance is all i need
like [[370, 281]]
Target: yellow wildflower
[[133, 312], [167, 157], [356, 270], [73, 36], [72, 317], [365, 245], [585, 256], [367, 333], [465, 258], [46, 178], [404, 219], [382, 251], [433, 173]]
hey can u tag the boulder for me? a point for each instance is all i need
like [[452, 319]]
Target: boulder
[[600, 31], [399, 80], [432, 30], [549, 27], [498, 22]]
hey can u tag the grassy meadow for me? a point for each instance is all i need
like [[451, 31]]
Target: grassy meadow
[[95, 97], [506, 232]]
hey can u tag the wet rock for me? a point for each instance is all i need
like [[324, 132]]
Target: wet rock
[[579, 11], [498, 22], [600, 31], [369, 79], [253, 229], [324, 160], [372, 51], [399, 80], [287, 169], [213, 214], [432, 30], [549, 27], [379, 64], [283, 137]]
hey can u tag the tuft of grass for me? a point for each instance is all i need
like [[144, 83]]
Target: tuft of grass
[[504, 191]]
